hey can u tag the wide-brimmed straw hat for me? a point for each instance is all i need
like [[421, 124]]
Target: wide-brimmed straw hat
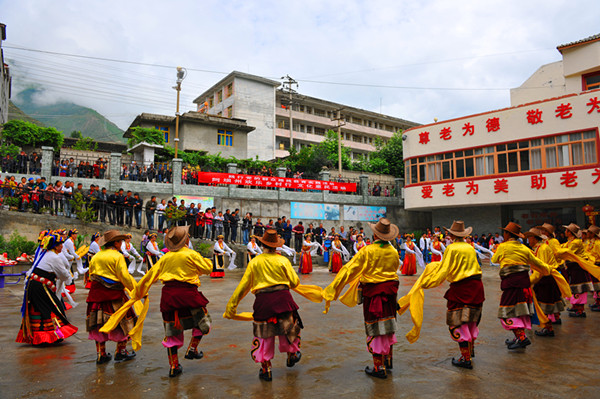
[[535, 232], [458, 229], [177, 238], [271, 239], [111, 236], [514, 229], [595, 230], [573, 228], [548, 228], [384, 229]]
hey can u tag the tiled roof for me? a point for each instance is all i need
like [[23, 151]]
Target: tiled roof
[[578, 42]]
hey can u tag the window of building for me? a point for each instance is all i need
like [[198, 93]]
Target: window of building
[[283, 124], [229, 90], [225, 137], [591, 81], [165, 130], [220, 113], [319, 130], [211, 102], [219, 96], [320, 112], [357, 139], [560, 151], [230, 111]]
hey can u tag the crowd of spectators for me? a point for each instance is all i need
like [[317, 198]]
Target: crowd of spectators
[[160, 173], [71, 168], [22, 163]]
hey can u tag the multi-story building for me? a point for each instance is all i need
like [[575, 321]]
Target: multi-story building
[[262, 104], [5, 80], [537, 161]]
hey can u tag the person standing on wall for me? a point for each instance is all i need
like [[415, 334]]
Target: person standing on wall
[[298, 231], [150, 209]]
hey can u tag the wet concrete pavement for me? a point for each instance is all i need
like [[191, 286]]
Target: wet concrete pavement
[[334, 356]]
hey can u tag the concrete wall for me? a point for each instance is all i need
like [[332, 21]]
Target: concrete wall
[[255, 102], [486, 219], [547, 82], [204, 138]]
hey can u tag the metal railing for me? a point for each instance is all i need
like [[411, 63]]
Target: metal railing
[[90, 167]]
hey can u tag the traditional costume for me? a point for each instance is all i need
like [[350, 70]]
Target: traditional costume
[[579, 277], [358, 245], [339, 254], [516, 303], [44, 317], [71, 253], [253, 249], [308, 250], [437, 250], [465, 296], [373, 280], [183, 307], [93, 250], [288, 251], [593, 248], [110, 278], [153, 254], [131, 255], [219, 251], [412, 256], [548, 291], [270, 277]]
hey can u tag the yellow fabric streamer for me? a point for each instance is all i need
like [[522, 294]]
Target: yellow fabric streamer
[[313, 293], [587, 265], [82, 251]]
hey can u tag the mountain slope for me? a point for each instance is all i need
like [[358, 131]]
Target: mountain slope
[[67, 116], [15, 112]]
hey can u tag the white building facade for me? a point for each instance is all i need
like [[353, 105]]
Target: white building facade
[[530, 163], [259, 101]]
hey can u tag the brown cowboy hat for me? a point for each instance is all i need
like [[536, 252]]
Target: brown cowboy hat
[[384, 229], [271, 239], [549, 228], [111, 236], [535, 232], [594, 230], [458, 229], [573, 228], [513, 229], [177, 238]]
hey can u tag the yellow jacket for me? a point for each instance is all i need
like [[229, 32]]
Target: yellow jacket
[[267, 270], [184, 265], [546, 255], [110, 263], [375, 263], [458, 262], [512, 252]]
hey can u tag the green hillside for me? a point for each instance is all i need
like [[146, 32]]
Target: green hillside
[[67, 116], [15, 112]]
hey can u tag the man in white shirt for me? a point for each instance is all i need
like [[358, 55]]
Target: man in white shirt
[[160, 211], [67, 191], [424, 243]]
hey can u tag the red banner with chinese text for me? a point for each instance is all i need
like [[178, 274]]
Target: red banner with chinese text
[[272, 181]]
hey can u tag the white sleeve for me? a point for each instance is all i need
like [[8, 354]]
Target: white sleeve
[[443, 247], [217, 249], [66, 252], [354, 247], [227, 249], [124, 250], [60, 267], [150, 248], [345, 254], [250, 249], [134, 252]]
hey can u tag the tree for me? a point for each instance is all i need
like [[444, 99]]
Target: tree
[[22, 134], [86, 143], [76, 134], [150, 136], [388, 157]]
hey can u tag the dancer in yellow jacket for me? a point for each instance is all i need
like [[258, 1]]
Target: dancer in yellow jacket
[[458, 266], [593, 248], [516, 303], [373, 272], [270, 277], [183, 307], [549, 290]]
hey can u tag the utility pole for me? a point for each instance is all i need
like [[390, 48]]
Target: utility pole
[[338, 118], [288, 84], [181, 74]]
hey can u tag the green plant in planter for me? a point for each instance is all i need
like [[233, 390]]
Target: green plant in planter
[[204, 248], [83, 208], [16, 245]]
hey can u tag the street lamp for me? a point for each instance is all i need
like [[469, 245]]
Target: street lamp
[[181, 74]]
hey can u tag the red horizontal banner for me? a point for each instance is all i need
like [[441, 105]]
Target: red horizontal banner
[[271, 181]]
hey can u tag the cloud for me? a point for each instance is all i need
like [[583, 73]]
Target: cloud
[[426, 44]]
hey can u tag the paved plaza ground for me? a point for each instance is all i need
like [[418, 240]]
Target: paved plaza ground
[[334, 356]]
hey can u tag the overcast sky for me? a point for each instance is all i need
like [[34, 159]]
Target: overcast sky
[[423, 48]]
